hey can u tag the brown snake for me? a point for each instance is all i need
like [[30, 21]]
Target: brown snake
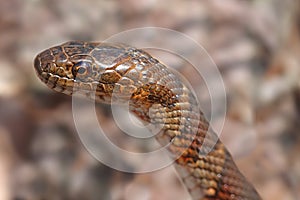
[[155, 95]]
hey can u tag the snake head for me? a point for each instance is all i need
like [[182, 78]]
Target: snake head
[[86, 68]]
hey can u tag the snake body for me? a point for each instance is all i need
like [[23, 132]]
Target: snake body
[[119, 73]]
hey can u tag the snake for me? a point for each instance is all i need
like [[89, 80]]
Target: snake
[[115, 73]]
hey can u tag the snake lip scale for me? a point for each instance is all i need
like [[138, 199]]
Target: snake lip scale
[[120, 73]]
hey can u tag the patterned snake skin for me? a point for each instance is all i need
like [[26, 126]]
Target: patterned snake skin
[[119, 73]]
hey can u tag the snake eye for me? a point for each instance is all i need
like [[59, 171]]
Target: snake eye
[[81, 69]]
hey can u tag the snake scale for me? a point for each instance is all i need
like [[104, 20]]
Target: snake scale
[[119, 73]]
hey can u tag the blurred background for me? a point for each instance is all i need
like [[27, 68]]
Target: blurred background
[[255, 44]]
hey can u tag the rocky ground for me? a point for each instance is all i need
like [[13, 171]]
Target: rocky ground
[[255, 44]]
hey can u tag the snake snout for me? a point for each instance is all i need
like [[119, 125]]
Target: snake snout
[[42, 61], [37, 65]]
